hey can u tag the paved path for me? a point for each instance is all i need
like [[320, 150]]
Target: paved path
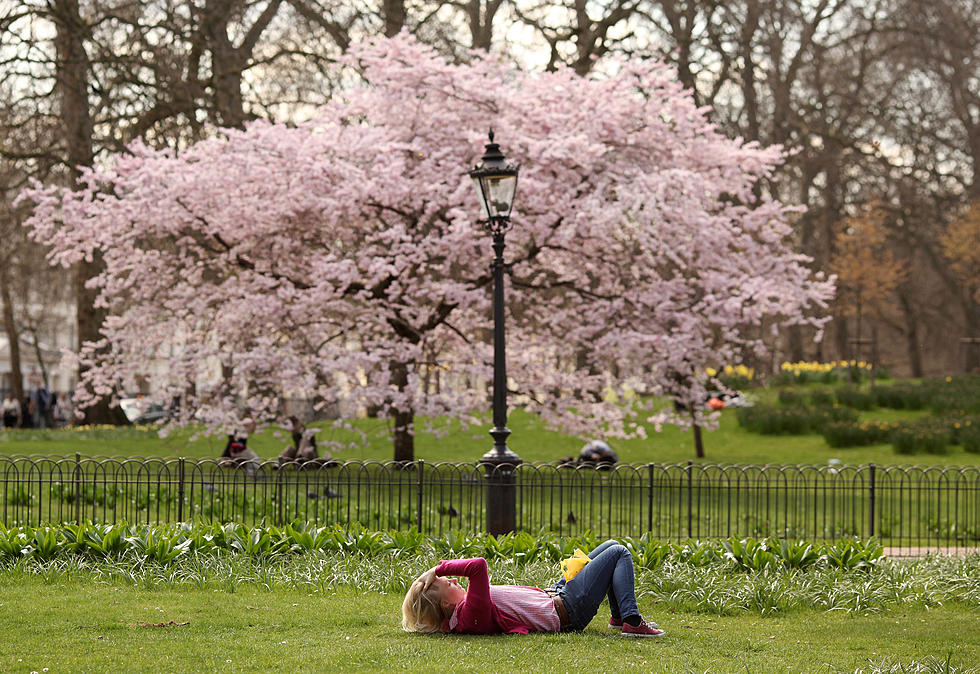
[[924, 552]]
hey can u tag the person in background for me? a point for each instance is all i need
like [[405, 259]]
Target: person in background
[[41, 407], [304, 443], [62, 410], [27, 412], [595, 453], [11, 411], [598, 453], [237, 452]]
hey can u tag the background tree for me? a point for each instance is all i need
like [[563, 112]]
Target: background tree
[[868, 273], [961, 246]]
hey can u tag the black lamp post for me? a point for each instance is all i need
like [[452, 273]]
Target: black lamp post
[[496, 182]]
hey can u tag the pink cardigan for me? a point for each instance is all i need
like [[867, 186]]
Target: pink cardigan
[[477, 614]]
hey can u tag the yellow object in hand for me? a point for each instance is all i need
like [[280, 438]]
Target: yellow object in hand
[[571, 566]]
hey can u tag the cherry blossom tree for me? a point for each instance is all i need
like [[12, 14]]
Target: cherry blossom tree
[[345, 258]]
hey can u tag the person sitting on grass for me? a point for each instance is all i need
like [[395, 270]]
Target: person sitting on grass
[[238, 453], [303, 448], [435, 603]]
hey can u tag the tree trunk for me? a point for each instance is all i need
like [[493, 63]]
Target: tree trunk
[[480, 14], [73, 84], [39, 355], [698, 442], [971, 359], [911, 335], [394, 16], [404, 435], [874, 354], [226, 66], [794, 343], [841, 327], [13, 336]]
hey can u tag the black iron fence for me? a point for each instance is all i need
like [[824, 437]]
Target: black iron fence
[[903, 506]]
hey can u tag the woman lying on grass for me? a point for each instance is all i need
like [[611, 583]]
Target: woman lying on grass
[[437, 604]]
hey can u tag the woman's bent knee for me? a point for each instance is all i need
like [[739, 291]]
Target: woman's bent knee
[[619, 549]]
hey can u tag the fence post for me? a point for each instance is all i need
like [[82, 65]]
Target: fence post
[[78, 488], [280, 506], [180, 489], [871, 495], [650, 498], [418, 498], [690, 513]]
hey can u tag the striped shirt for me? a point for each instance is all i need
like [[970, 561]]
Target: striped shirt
[[530, 605]]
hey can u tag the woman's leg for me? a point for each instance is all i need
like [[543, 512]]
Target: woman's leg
[[599, 549], [609, 573], [613, 602]]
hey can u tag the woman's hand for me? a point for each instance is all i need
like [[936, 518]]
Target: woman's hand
[[428, 577]]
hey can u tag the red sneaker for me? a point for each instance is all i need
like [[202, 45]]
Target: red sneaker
[[616, 624], [644, 629]]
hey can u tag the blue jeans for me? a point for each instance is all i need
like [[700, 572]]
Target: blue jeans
[[609, 574]]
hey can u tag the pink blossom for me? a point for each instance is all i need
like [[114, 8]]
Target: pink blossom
[[307, 259]]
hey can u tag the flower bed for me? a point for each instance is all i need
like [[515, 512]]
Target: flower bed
[[825, 373]]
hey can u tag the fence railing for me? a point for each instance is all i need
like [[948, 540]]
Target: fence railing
[[903, 506]]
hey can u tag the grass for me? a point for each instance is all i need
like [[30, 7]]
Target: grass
[[530, 439], [72, 624]]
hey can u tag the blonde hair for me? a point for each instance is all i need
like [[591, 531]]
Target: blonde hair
[[422, 609]]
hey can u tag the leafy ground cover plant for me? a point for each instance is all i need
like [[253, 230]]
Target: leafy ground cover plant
[[166, 544]]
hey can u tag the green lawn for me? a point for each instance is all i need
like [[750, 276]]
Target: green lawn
[[530, 439], [75, 625]]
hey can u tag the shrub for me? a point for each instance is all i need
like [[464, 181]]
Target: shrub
[[822, 397], [821, 416], [954, 395], [855, 398], [788, 396], [968, 434], [927, 436], [792, 420], [900, 397], [852, 434], [769, 420]]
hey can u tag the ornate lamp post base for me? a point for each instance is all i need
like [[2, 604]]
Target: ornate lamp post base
[[501, 464]]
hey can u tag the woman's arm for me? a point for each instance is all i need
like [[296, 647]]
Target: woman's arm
[[475, 569], [475, 614]]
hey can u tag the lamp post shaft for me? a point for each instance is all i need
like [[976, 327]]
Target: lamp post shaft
[[500, 462], [499, 343]]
